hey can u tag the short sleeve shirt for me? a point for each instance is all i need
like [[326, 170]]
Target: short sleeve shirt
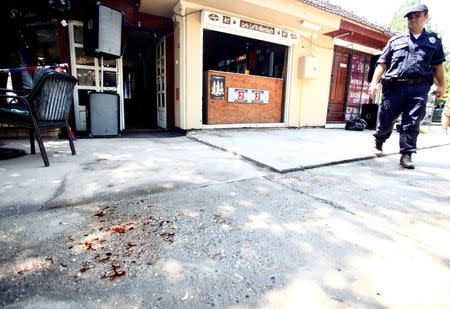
[[408, 57]]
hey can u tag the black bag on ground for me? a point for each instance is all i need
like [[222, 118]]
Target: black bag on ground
[[356, 124]]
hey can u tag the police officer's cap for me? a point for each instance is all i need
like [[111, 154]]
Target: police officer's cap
[[417, 8]]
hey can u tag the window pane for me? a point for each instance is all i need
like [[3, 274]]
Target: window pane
[[81, 58], [109, 79], [78, 34], [109, 63], [86, 77]]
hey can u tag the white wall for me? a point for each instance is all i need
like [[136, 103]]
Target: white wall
[[307, 100]]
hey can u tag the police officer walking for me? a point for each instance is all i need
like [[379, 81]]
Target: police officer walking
[[407, 68]]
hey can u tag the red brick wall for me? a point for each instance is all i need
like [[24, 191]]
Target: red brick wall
[[10, 131], [224, 112]]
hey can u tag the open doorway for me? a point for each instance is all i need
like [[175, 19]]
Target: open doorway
[[139, 79]]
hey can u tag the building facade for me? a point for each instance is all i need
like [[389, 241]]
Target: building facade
[[206, 64]]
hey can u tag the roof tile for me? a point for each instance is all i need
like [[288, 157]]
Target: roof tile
[[338, 10]]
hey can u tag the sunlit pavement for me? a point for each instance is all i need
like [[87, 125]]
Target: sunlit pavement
[[213, 230], [285, 150]]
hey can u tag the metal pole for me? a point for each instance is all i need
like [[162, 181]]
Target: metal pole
[[101, 74]]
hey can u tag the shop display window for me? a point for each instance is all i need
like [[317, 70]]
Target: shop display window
[[237, 54], [358, 85]]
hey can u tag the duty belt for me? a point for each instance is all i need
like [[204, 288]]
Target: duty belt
[[411, 81]]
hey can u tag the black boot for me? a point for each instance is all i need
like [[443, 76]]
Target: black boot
[[406, 161], [378, 149]]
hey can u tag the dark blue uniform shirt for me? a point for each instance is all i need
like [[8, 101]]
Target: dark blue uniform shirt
[[408, 57]]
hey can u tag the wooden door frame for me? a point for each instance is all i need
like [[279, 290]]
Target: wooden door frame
[[161, 82], [351, 55], [349, 52]]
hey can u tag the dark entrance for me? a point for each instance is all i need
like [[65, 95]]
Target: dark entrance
[[139, 79], [237, 54]]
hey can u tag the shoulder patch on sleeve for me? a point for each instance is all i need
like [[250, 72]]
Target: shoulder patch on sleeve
[[436, 35], [396, 37]]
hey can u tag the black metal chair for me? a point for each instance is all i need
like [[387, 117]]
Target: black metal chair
[[45, 106]]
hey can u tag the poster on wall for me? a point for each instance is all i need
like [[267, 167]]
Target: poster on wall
[[242, 95], [237, 95], [259, 96], [358, 86], [217, 87]]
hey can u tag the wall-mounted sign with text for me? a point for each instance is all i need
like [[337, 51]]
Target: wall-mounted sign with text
[[243, 95], [250, 29]]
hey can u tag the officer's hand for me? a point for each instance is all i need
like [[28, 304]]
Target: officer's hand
[[440, 92], [373, 90]]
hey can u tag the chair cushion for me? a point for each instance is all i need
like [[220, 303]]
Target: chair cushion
[[14, 112]]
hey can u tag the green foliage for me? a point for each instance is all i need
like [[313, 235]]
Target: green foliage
[[439, 103], [398, 22]]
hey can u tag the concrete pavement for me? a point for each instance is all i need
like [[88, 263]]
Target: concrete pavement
[[106, 168], [284, 150], [222, 232]]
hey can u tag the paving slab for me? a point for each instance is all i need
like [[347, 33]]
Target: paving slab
[[107, 167], [284, 149]]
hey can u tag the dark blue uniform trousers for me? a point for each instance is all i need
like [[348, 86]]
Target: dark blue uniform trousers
[[410, 101]]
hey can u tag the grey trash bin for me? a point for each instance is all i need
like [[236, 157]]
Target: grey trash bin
[[104, 114]]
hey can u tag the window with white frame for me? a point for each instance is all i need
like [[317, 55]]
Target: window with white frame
[[89, 70]]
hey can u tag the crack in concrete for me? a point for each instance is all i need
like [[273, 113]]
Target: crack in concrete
[[334, 205], [320, 199], [59, 191]]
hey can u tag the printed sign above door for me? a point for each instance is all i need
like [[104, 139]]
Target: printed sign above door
[[238, 26]]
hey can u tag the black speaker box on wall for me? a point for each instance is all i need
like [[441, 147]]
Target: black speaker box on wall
[[103, 32]]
